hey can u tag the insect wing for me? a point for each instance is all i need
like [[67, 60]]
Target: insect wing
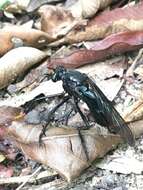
[[115, 122]]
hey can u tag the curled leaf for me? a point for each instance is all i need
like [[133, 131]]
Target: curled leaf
[[63, 143], [63, 149], [128, 13], [106, 23], [16, 62], [86, 9], [31, 80], [28, 37], [98, 51], [56, 21]]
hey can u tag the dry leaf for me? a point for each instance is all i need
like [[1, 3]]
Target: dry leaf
[[47, 88], [111, 45], [119, 15], [129, 18], [28, 37], [103, 73], [35, 4], [86, 9], [31, 80], [56, 21], [18, 61], [63, 143], [62, 148], [123, 165], [105, 70]]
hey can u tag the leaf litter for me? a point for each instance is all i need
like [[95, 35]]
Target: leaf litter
[[28, 83]]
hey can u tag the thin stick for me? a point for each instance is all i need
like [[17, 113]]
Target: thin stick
[[134, 64], [28, 178], [32, 175]]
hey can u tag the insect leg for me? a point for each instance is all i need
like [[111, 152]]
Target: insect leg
[[87, 126], [50, 117], [67, 118], [83, 144]]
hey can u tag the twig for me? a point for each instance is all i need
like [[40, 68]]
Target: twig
[[32, 175], [134, 64], [55, 185], [29, 178], [60, 184]]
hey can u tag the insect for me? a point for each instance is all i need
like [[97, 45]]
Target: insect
[[79, 86]]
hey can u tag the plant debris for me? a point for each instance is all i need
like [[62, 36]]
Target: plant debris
[[102, 39]]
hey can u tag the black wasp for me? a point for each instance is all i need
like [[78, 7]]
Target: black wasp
[[79, 86]]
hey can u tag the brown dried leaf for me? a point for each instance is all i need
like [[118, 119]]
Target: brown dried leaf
[[32, 79], [114, 44], [28, 37], [16, 62], [62, 149], [56, 21], [86, 9], [107, 23], [128, 13]]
